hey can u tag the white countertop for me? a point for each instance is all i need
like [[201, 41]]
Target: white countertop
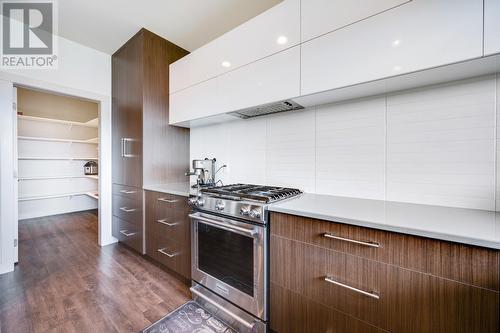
[[183, 189], [468, 226]]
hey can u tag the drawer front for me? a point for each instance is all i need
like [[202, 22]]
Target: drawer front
[[128, 233], [129, 192], [168, 237], [293, 313], [127, 209], [386, 296], [444, 259]]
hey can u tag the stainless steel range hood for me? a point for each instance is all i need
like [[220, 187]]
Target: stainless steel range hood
[[270, 108]]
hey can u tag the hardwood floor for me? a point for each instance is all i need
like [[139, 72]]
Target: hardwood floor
[[65, 282]]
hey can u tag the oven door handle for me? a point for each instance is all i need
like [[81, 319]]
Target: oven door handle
[[222, 225], [223, 309]]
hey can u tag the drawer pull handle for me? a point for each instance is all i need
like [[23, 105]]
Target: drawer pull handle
[[164, 221], [366, 293], [128, 234], [332, 236], [167, 200], [127, 210], [170, 255], [127, 192]]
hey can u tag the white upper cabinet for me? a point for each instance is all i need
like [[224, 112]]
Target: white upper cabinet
[[319, 17], [268, 80], [418, 35], [491, 27], [270, 32], [198, 101]]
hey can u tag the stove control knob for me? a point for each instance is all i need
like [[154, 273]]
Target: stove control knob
[[255, 213], [245, 210], [200, 202], [193, 201], [219, 205]]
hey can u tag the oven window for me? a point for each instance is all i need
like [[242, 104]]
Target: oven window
[[227, 256]]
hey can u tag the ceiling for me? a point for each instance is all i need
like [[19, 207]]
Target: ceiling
[[105, 25]]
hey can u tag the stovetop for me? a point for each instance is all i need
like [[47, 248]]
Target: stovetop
[[259, 193]]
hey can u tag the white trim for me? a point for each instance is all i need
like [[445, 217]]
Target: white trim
[[7, 174], [57, 177]]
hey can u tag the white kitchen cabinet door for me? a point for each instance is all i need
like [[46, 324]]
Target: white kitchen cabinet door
[[270, 32], [268, 80], [419, 35], [491, 27], [319, 17], [195, 102]]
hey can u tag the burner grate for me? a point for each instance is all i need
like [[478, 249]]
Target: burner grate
[[261, 193]]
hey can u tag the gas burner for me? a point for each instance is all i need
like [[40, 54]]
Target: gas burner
[[249, 192]]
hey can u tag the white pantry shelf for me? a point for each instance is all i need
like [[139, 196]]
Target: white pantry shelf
[[33, 138], [57, 177], [91, 123], [94, 195], [52, 196], [58, 158]]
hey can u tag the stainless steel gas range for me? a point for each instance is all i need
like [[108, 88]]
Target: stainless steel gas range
[[230, 250]]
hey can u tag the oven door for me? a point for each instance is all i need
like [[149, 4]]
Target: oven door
[[228, 257]]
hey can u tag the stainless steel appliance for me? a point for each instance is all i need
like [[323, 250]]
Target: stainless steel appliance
[[230, 246], [204, 170]]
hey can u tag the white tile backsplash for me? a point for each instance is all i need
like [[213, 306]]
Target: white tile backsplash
[[434, 145], [440, 145], [350, 149]]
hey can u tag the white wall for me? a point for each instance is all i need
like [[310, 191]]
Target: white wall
[[86, 73], [433, 145]]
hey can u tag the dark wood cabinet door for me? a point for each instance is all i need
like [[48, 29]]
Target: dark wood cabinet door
[[127, 111]]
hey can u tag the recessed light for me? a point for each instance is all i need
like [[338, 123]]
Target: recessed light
[[397, 68], [226, 64], [282, 40], [396, 42]]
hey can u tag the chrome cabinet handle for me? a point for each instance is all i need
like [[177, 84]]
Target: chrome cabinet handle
[[332, 236], [164, 221], [127, 210], [167, 200], [127, 192], [124, 147], [128, 234], [170, 255], [223, 309], [372, 294]]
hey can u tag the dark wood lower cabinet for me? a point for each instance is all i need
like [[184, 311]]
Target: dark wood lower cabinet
[[315, 288], [168, 233]]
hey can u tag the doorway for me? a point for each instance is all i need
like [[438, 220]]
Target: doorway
[[58, 154]]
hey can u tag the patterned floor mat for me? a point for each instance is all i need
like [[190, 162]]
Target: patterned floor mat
[[189, 318]]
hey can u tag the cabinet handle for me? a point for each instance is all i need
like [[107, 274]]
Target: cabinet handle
[[127, 210], [372, 294], [127, 192], [162, 251], [332, 236], [164, 221], [167, 200], [128, 234], [124, 147]]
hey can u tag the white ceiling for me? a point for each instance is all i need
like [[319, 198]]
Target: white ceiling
[[105, 25]]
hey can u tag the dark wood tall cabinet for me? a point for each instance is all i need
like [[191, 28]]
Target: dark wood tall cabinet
[[146, 149]]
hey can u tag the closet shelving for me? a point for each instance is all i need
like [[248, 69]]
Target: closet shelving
[[51, 154]]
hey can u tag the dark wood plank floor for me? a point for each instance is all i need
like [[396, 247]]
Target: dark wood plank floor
[[65, 282]]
